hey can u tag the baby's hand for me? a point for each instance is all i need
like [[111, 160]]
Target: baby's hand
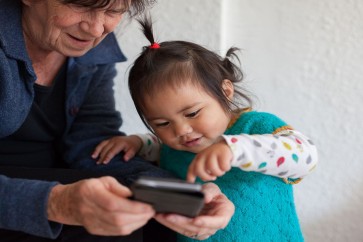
[[211, 163], [107, 149]]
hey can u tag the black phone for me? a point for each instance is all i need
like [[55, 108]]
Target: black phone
[[169, 195]]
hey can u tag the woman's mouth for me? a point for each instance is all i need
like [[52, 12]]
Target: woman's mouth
[[80, 42]]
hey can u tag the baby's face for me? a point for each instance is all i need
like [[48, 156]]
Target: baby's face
[[186, 117]]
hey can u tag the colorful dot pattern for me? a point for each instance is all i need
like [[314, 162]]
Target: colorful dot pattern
[[286, 154]]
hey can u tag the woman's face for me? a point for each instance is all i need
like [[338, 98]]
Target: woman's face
[[68, 29]]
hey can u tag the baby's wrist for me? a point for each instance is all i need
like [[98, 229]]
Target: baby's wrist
[[221, 140], [138, 142]]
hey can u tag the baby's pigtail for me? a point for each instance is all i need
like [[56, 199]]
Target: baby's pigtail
[[147, 29], [232, 68], [235, 74]]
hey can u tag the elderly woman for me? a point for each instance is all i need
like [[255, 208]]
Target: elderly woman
[[57, 64]]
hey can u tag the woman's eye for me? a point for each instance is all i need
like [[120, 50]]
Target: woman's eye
[[115, 11], [79, 8], [193, 114]]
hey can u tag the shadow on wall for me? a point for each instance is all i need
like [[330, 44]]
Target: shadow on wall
[[341, 225]]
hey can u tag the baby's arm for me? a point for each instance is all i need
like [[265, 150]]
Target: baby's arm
[[287, 154], [211, 162], [151, 146], [145, 145]]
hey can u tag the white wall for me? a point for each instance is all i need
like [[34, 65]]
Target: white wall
[[190, 20], [302, 59]]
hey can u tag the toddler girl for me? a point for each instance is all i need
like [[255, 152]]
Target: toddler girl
[[202, 126]]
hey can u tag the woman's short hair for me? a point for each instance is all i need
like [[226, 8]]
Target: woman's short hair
[[134, 6]]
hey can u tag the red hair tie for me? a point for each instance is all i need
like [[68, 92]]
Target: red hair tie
[[154, 46]]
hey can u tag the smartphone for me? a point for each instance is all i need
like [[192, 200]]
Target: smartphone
[[169, 195]]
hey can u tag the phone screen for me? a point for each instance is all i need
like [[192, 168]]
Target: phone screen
[[172, 184], [169, 195]]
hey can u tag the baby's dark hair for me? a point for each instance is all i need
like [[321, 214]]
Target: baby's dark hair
[[173, 63]]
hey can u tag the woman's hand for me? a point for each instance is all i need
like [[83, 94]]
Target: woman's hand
[[107, 149], [100, 205], [216, 214]]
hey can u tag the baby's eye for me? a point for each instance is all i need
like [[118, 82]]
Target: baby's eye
[[193, 114], [163, 124]]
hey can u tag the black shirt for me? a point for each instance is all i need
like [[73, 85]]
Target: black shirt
[[37, 142]]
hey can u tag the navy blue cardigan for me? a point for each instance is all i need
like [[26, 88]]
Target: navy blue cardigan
[[90, 118]]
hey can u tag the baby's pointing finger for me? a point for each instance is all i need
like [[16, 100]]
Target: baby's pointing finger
[[191, 176]]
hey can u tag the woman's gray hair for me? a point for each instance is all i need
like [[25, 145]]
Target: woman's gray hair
[[134, 7]]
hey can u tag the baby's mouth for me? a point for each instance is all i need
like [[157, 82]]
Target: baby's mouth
[[192, 142]]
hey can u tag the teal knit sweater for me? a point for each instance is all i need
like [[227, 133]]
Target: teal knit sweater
[[265, 209]]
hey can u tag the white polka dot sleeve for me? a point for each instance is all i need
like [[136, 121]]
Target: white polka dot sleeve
[[287, 154], [151, 146]]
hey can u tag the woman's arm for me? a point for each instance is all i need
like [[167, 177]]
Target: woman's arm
[[23, 207]]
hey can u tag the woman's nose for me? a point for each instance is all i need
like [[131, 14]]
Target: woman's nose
[[94, 24]]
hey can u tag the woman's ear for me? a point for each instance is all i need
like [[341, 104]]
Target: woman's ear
[[25, 2], [228, 88], [31, 2]]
